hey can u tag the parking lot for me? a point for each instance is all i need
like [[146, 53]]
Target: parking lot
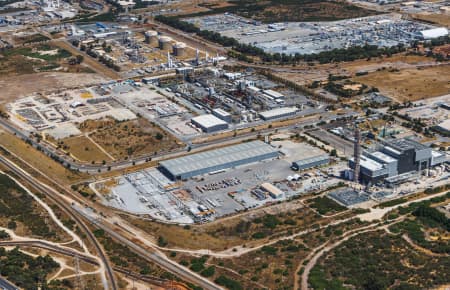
[[313, 37]]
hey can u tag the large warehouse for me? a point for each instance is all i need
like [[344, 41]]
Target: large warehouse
[[209, 123], [278, 113], [311, 162], [218, 159]]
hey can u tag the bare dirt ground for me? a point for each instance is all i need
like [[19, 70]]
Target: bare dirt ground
[[410, 84], [441, 19], [14, 87], [307, 74], [88, 60]]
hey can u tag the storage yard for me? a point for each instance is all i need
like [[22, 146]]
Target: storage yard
[[232, 179], [313, 37]]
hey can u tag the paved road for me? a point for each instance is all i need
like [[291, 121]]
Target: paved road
[[6, 285], [123, 164]]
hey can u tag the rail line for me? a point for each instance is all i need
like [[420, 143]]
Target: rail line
[[69, 212], [72, 253]]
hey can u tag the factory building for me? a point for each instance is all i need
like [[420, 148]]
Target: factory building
[[273, 94], [217, 160], [209, 123], [444, 127], [396, 161], [273, 191], [310, 162], [278, 113], [433, 33], [222, 114]]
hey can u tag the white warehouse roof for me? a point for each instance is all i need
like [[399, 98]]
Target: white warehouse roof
[[208, 121], [216, 159], [434, 33], [274, 94], [222, 112], [384, 157], [278, 112]]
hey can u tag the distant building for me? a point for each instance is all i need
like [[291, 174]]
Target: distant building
[[433, 33], [278, 113], [273, 191], [444, 127], [396, 161], [209, 123], [216, 160], [222, 114], [310, 162]]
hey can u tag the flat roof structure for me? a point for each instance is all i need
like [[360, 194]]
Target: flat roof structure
[[383, 157], [222, 114], [311, 162], [278, 113], [209, 123], [434, 33], [445, 126], [370, 164], [274, 94], [274, 191], [406, 144], [218, 159]]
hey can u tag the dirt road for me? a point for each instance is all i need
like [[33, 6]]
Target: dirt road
[[88, 60]]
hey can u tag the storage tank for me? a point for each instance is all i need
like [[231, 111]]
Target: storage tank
[[179, 49], [151, 37], [165, 43]]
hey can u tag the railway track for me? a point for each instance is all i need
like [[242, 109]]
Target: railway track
[[154, 257], [69, 211], [72, 253]]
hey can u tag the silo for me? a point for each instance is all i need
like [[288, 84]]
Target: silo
[[165, 43], [179, 49], [151, 37]]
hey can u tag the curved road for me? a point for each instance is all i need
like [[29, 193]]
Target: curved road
[[53, 195]]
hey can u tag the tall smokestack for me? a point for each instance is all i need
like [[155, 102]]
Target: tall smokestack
[[357, 153]]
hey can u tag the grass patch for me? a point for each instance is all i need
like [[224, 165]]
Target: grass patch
[[376, 260]]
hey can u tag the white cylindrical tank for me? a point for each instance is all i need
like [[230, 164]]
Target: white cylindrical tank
[[179, 49], [165, 43], [151, 37]]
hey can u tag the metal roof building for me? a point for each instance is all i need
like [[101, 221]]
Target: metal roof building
[[209, 123], [311, 162], [278, 113], [434, 33], [222, 114], [218, 159]]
